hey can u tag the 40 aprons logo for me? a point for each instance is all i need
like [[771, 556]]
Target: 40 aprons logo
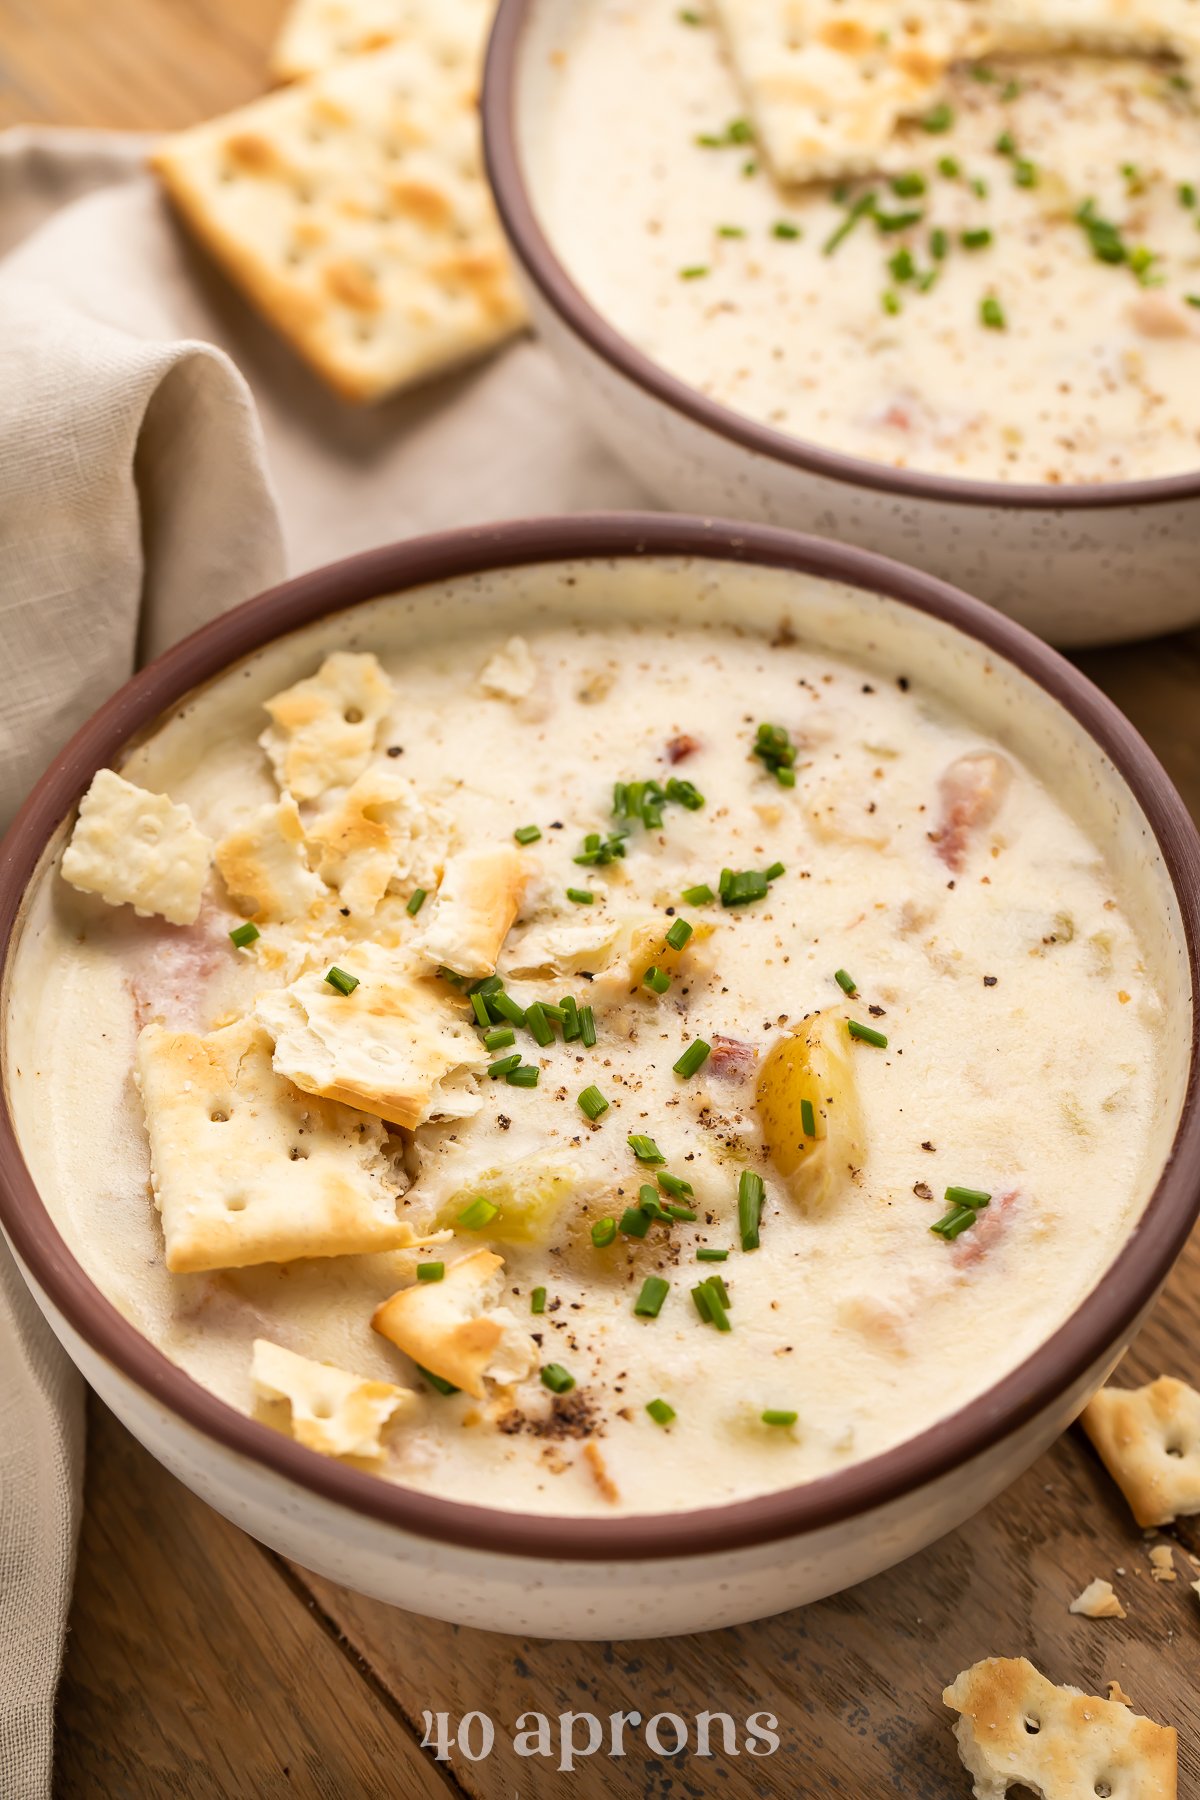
[[567, 1738]]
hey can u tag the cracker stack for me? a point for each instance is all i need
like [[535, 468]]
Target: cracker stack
[[351, 207]]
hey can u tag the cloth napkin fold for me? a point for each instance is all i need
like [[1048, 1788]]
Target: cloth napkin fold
[[163, 456]]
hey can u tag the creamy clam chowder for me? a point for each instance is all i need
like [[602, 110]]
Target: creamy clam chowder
[[1010, 290], [607, 1058]]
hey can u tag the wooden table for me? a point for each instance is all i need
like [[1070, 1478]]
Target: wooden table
[[200, 1664]]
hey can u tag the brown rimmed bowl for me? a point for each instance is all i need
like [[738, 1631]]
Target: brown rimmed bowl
[[1089, 564], [715, 1565]]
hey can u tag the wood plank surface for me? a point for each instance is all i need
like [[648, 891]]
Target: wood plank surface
[[200, 1665]]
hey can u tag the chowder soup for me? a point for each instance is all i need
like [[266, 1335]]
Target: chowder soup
[[826, 1034], [1011, 293]]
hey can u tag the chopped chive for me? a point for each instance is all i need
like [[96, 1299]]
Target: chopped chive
[[890, 302], [977, 238], [862, 206], [991, 313], [556, 1378], [696, 1053], [487, 985], [901, 267], [717, 1300], [950, 167], [955, 1222], [979, 187], [478, 1214], [674, 1184], [500, 1038], [1192, 299], [505, 1065], [338, 978], [685, 1214], [908, 184], [570, 1024], [587, 1027], [598, 852], [581, 896], [650, 1203], [507, 1007], [706, 1254], [700, 1299], [741, 888], [901, 221], [1006, 144], [656, 979], [645, 1149], [524, 1076], [846, 982], [698, 896], [939, 243], [688, 17], [603, 1233], [660, 1411], [436, 1381], [717, 1287], [774, 872], [538, 1025], [634, 1222], [537, 1300], [649, 1302], [593, 1103], [1186, 194], [783, 228], [964, 1196], [527, 834], [685, 794], [808, 1122], [679, 934], [775, 1415], [731, 231], [866, 1034], [749, 168], [479, 1007], [445, 974], [243, 935], [940, 119], [553, 1011], [751, 1195], [431, 1271], [739, 131], [1025, 173], [694, 272], [416, 901], [1010, 90]]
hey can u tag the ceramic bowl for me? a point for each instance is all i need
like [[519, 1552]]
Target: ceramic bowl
[[691, 1570], [1092, 564]]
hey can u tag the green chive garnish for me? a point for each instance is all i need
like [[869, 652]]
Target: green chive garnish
[[649, 1203], [527, 834], [657, 980], [696, 1053], [1186, 194], [698, 896], [479, 1007], [955, 1222], [500, 1038], [635, 1222], [808, 1122], [977, 238], [674, 1184], [505, 1065], [537, 1300], [783, 228], [774, 872], [862, 206], [866, 1034], [416, 901], [679, 934], [700, 1299], [660, 1412], [939, 243], [940, 119], [436, 1382], [581, 896], [1025, 173], [964, 1196], [570, 1023], [950, 167], [1192, 299], [686, 1214], [506, 1006], [478, 1214], [649, 1302], [890, 302], [846, 982], [603, 1233], [1006, 144], [587, 1027], [645, 1149], [525, 1075], [716, 1299], [694, 272], [991, 313], [556, 1378], [431, 1271], [706, 1254], [243, 935], [338, 978], [743, 887], [731, 231], [593, 1103], [751, 1195], [908, 184], [775, 1415], [538, 1025]]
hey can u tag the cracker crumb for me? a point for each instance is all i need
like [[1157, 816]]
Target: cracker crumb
[[1162, 1563], [1098, 1601]]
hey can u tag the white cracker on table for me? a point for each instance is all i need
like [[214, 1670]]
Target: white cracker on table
[[353, 211], [322, 730], [137, 848], [264, 865], [510, 672], [390, 1047], [1015, 1726], [318, 33], [827, 84], [246, 1168], [382, 833], [454, 1328], [477, 902], [1098, 1601], [1149, 1441], [1134, 27], [330, 1410]]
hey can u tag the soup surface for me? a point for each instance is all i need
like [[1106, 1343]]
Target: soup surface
[[1012, 295], [906, 970]]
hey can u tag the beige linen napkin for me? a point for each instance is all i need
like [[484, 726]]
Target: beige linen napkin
[[144, 488]]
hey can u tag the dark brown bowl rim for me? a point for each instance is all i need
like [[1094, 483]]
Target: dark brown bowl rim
[[542, 267], [1094, 1329]]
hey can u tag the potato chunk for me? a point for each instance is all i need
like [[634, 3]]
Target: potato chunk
[[817, 1153]]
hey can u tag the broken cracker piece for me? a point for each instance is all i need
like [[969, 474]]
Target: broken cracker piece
[[1098, 1601], [510, 672], [1162, 1563], [246, 1168], [381, 834], [330, 1410], [315, 34], [476, 905], [454, 1328], [322, 730], [390, 1047], [353, 212], [1117, 1694], [1017, 1727], [1149, 1441], [137, 848], [1113, 27], [265, 868]]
